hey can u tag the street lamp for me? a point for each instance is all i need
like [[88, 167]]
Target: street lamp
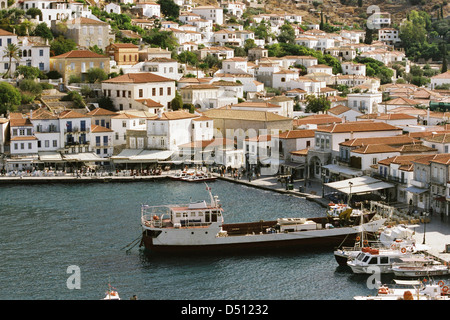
[[323, 181], [350, 184], [425, 215]]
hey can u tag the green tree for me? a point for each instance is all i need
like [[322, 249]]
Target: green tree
[[161, 39], [11, 52], [28, 72], [43, 31], [96, 75], [61, 45], [316, 104], [169, 8], [31, 86], [188, 57], [177, 102], [9, 98], [287, 34]]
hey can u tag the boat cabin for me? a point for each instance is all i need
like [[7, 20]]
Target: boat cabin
[[373, 257], [195, 214]]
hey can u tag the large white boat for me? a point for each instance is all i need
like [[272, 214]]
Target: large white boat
[[199, 227]]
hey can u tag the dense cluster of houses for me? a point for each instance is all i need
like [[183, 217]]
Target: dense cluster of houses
[[389, 132]]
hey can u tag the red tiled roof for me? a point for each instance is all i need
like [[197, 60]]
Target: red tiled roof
[[79, 54], [143, 77]]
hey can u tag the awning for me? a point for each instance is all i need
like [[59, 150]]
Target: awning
[[141, 156], [49, 156], [83, 157], [270, 161], [416, 190], [293, 164], [151, 156], [334, 168], [362, 184]]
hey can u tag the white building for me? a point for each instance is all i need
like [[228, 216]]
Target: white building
[[235, 65], [351, 68], [74, 131], [365, 102], [123, 122], [46, 129], [102, 141], [163, 67], [149, 8], [152, 90], [440, 79], [57, 11], [210, 13], [33, 52], [170, 129], [388, 35]]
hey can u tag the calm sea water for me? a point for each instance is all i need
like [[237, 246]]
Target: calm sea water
[[45, 229]]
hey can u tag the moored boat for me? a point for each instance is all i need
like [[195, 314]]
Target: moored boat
[[199, 227], [415, 266], [111, 294], [199, 177], [380, 260], [389, 238], [182, 174], [410, 290]]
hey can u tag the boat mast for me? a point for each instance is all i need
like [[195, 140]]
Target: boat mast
[[213, 202]]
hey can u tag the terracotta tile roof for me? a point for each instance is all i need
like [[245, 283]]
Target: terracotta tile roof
[[101, 112], [445, 75], [439, 137], [255, 104], [176, 115], [124, 45], [387, 116], [401, 101], [297, 134], [6, 33], [42, 114], [392, 141], [97, 128], [376, 148], [416, 148], [319, 119], [16, 119], [83, 20], [302, 152], [358, 126], [68, 114], [339, 109], [150, 103], [125, 116], [248, 115], [79, 54], [24, 138], [440, 158], [202, 118], [143, 77]]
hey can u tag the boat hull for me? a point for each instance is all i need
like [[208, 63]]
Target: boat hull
[[303, 244]]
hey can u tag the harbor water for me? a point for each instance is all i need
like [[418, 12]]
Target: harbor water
[[48, 230]]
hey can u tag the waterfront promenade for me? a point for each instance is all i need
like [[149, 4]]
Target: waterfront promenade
[[436, 233]]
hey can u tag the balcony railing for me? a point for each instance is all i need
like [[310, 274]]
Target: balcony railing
[[76, 129]]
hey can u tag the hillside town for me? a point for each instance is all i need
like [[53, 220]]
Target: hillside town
[[146, 86]]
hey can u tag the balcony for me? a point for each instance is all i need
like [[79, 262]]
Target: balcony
[[76, 129], [420, 184]]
